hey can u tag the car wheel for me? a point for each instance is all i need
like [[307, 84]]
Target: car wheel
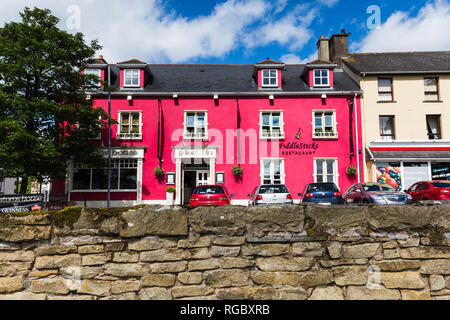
[[365, 201]]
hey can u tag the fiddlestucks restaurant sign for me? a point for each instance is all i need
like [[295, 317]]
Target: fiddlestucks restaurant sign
[[12, 203]]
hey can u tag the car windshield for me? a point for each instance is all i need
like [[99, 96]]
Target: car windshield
[[378, 187], [441, 184], [209, 190], [273, 189], [322, 187]]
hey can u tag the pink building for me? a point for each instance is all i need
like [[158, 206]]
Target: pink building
[[289, 124]]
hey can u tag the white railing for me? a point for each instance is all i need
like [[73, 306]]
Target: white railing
[[129, 136], [325, 135]]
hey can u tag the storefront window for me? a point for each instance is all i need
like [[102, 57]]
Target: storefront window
[[123, 176], [440, 171], [390, 173]]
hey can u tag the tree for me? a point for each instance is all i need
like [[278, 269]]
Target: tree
[[45, 117]]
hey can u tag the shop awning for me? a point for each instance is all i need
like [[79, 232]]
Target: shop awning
[[407, 155]]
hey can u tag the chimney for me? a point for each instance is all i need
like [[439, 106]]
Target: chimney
[[339, 46], [323, 49]]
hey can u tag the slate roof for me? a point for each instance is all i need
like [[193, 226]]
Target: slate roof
[[399, 62], [226, 78]]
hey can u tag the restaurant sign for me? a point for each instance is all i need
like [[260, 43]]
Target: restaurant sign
[[13, 203]]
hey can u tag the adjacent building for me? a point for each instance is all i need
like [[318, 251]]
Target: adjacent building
[[8, 186], [279, 123], [405, 109]]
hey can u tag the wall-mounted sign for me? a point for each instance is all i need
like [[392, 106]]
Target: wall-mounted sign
[[298, 149], [195, 153], [12, 203], [122, 153], [170, 178], [220, 177]]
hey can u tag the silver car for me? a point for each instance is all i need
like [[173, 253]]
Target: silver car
[[270, 194], [376, 193]]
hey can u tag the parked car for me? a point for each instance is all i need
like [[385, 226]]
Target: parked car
[[430, 190], [322, 193], [270, 194], [210, 195], [377, 193]]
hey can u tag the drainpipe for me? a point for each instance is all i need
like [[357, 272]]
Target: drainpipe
[[357, 137], [238, 142], [109, 137]]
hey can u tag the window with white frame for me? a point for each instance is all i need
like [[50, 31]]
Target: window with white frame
[[132, 78], [130, 125], [324, 124], [2, 186], [321, 77], [272, 171], [195, 125], [94, 72], [431, 89], [385, 91], [271, 124], [325, 170], [270, 78], [123, 176]]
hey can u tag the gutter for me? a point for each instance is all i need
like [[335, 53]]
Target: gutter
[[246, 94], [373, 73]]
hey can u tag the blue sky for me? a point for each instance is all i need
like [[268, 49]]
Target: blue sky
[[244, 31]]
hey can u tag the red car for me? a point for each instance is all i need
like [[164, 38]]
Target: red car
[[430, 190], [210, 195]]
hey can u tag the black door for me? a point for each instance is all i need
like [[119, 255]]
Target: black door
[[190, 180]]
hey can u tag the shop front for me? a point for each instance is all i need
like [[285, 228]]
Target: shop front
[[401, 164], [89, 186]]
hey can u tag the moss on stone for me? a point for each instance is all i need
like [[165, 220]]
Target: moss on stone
[[67, 216]]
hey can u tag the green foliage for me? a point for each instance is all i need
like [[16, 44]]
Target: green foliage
[[159, 172], [67, 216], [170, 189], [45, 118], [351, 170], [237, 171]]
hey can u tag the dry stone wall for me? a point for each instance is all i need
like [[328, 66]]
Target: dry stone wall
[[287, 253]]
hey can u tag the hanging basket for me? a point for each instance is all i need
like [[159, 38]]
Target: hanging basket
[[351, 171], [237, 171], [159, 172]]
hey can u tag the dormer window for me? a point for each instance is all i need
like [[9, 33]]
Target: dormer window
[[94, 72], [270, 78], [321, 78], [132, 78]]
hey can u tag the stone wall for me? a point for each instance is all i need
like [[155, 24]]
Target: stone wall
[[289, 253]]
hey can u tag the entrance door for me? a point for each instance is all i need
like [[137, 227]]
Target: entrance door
[[189, 185], [202, 178]]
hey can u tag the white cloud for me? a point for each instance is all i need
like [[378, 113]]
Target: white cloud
[[292, 30], [328, 3], [147, 30], [292, 58], [280, 5], [427, 31]]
